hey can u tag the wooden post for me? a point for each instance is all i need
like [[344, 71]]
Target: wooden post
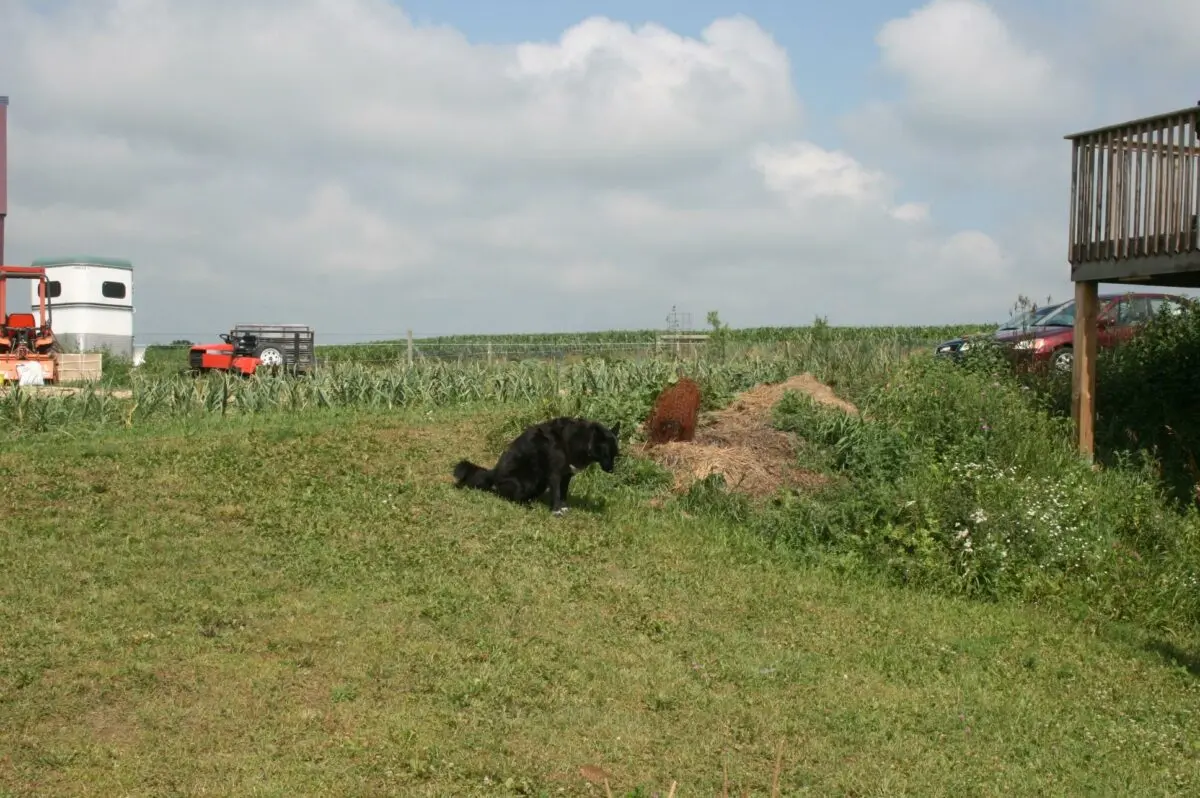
[[489, 350], [1083, 376], [410, 348]]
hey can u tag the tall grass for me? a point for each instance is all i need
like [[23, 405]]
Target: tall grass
[[965, 478], [617, 391], [1147, 397]]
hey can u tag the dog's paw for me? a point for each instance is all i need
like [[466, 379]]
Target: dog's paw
[[560, 512]]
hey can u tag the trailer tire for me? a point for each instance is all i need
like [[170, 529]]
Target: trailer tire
[[270, 357]]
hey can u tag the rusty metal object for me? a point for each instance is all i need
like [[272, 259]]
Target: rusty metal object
[[675, 412]]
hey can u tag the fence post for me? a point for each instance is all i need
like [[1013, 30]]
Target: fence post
[[410, 348], [489, 351]]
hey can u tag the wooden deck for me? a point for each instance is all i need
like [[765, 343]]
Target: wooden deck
[[1135, 199]]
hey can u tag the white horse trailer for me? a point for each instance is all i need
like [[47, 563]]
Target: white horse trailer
[[91, 303]]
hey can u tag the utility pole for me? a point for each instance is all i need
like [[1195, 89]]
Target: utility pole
[[3, 173]]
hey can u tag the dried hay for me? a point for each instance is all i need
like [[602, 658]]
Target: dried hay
[[739, 443], [761, 398]]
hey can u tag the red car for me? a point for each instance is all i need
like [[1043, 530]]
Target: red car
[[1120, 316]]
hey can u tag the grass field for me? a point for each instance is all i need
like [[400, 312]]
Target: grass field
[[305, 606], [257, 588]]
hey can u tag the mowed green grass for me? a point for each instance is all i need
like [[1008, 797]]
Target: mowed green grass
[[305, 606]]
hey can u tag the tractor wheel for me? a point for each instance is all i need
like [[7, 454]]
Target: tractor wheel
[[269, 356]]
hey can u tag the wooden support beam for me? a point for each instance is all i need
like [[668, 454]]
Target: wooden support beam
[[1146, 267], [1083, 387]]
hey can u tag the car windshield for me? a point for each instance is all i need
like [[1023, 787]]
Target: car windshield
[[1027, 318], [1063, 316]]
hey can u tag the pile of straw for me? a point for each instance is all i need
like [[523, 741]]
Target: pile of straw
[[739, 443]]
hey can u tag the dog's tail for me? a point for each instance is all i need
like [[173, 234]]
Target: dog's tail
[[469, 475]]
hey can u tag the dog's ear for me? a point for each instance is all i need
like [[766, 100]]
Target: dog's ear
[[616, 430]]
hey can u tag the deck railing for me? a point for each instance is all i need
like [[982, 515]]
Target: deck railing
[[1135, 189]]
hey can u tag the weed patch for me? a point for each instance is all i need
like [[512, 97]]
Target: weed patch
[[964, 481]]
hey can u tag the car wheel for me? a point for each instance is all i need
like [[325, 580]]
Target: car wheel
[[1064, 359]]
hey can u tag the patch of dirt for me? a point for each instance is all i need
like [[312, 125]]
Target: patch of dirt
[[739, 443]]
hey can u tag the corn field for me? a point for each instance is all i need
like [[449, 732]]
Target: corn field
[[622, 388], [435, 384], [730, 344], [591, 384], [629, 344]]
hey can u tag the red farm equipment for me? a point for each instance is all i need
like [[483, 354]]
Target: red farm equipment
[[26, 340], [250, 347]]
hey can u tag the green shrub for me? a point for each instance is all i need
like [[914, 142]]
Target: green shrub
[[1148, 395], [964, 480]]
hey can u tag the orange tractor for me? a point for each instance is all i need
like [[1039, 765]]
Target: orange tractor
[[26, 341]]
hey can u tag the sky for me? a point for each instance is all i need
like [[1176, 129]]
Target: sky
[[458, 166]]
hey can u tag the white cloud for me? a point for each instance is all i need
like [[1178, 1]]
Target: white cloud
[[974, 253], [963, 68], [329, 161], [805, 172], [984, 102], [1154, 32], [911, 212], [345, 237], [979, 108], [805, 175], [287, 78]]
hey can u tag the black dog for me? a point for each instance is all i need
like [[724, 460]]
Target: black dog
[[545, 455]]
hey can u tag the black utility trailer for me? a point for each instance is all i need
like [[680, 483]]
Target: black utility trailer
[[286, 346]]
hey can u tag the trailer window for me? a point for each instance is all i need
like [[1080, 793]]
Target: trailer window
[[113, 290], [53, 289]]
